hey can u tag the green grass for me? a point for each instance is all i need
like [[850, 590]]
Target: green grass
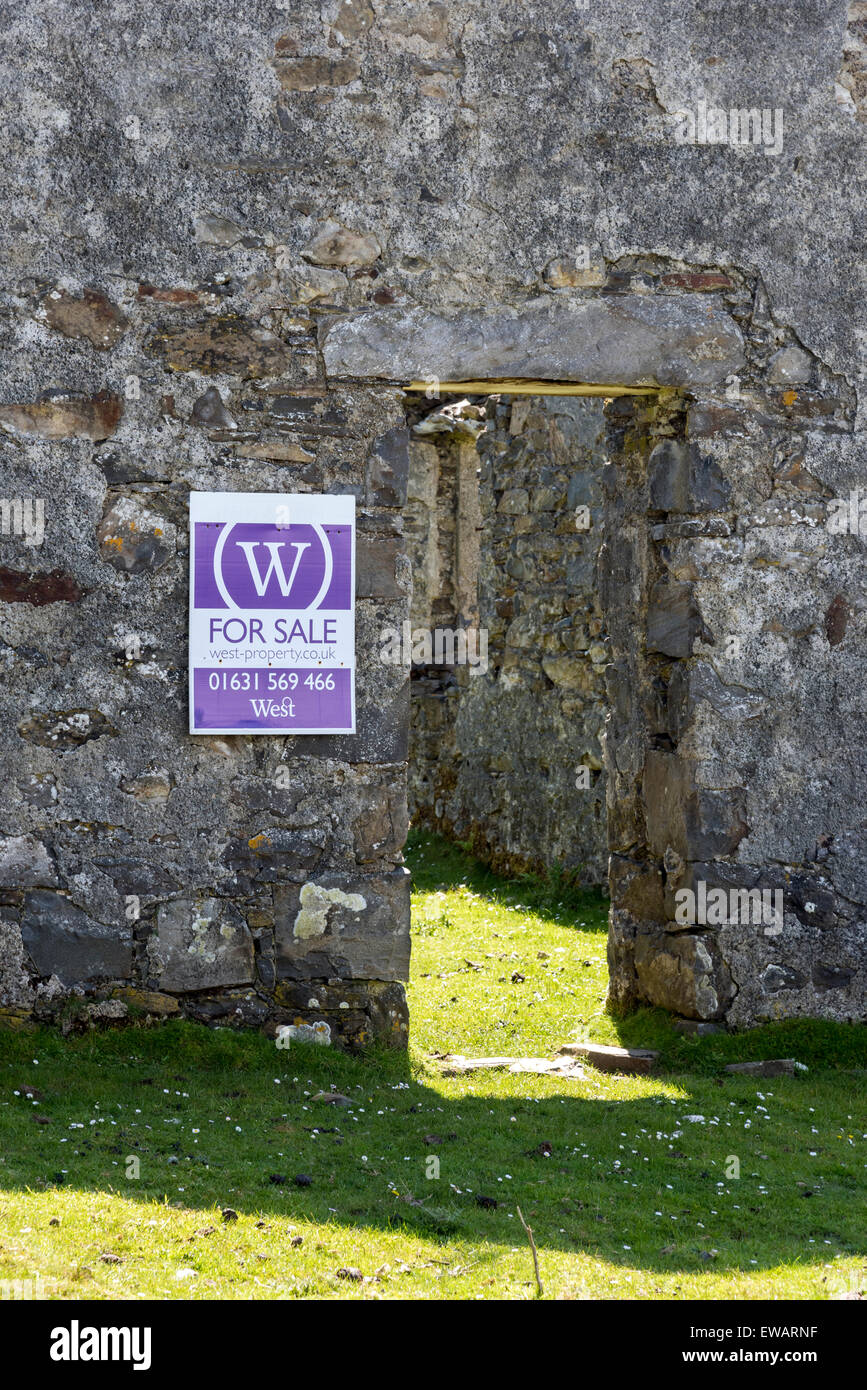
[[632, 1201]]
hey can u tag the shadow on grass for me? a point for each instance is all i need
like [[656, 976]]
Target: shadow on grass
[[626, 1180]]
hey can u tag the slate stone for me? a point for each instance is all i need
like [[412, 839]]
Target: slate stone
[[636, 887], [700, 681], [813, 902], [276, 852], [682, 479], [773, 1066], [210, 411], [776, 977], [673, 619], [132, 538], [697, 823], [388, 469], [136, 875], [377, 569], [620, 1059], [828, 977], [66, 728], [40, 588], [92, 316], [791, 366], [64, 415], [62, 940], [225, 344]]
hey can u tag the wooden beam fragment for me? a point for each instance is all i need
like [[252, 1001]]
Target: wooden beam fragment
[[522, 386]]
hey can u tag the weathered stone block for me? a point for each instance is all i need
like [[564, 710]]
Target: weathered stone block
[[134, 538], [333, 243], [773, 1066], [636, 888], [92, 316], [311, 72], [379, 567], [275, 853], [641, 340], [697, 823], [64, 415], [226, 344], [681, 479], [200, 944], [388, 469], [25, 863], [622, 1059], [62, 940], [673, 619], [344, 926], [381, 829], [683, 973]]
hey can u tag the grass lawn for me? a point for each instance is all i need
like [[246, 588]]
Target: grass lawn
[[627, 1182]]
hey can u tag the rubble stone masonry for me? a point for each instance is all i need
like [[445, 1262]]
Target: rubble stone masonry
[[232, 237]]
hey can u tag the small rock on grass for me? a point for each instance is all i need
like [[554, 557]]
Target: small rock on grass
[[625, 1059], [229, 1214], [773, 1066]]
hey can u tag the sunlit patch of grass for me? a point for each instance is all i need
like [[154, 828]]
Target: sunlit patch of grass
[[153, 1133]]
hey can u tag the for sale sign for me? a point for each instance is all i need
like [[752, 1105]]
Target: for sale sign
[[272, 613]]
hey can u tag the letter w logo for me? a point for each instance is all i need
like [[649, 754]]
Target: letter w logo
[[276, 565]]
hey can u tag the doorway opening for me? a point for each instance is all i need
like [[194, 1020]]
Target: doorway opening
[[504, 530]]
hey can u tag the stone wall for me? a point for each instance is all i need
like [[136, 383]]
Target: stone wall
[[241, 880], [230, 237], [510, 759]]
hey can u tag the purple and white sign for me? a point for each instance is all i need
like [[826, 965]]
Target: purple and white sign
[[272, 613]]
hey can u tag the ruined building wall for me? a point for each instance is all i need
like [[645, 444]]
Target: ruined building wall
[[510, 759], [230, 236]]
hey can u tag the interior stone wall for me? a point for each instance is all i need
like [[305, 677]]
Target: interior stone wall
[[510, 759]]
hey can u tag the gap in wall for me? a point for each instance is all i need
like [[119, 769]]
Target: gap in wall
[[503, 528]]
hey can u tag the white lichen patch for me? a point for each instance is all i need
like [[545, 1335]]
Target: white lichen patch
[[200, 927], [315, 903]]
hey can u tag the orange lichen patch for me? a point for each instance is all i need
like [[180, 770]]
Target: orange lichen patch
[[789, 397], [116, 541], [158, 530], [257, 842]]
